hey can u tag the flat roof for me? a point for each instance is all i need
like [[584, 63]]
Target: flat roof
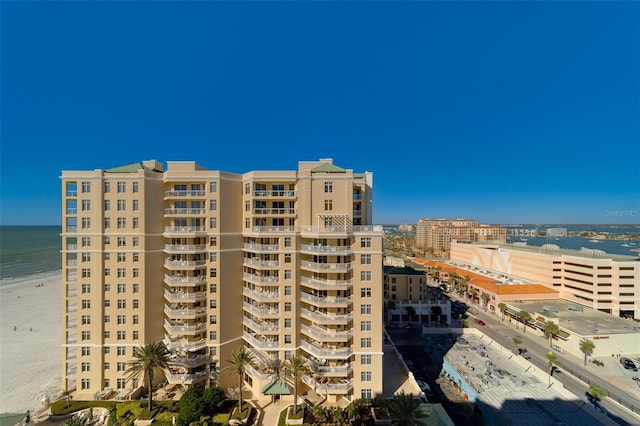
[[580, 319], [563, 252]]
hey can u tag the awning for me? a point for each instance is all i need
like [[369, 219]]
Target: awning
[[276, 388]]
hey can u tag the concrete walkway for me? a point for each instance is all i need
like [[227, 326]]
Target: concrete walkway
[[271, 412]]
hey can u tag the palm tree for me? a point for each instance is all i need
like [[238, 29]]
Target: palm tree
[[147, 359], [516, 342], [485, 299], [67, 394], [597, 392], [587, 347], [296, 366], [524, 317], [503, 308], [239, 361], [404, 409], [550, 330], [551, 361]]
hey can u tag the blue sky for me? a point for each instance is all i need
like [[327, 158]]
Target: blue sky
[[507, 112]]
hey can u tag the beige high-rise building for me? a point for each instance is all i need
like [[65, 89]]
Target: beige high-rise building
[[282, 262], [437, 234]]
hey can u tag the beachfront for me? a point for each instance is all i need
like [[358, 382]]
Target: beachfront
[[30, 353]]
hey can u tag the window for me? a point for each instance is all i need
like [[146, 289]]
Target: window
[[122, 241], [85, 384], [135, 187], [287, 258], [121, 366], [365, 309], [365, 359], [213, 319], [287, 323], [365, 275], [213, 273], [365, 242], [287, 290], [365, 325], [122, 304], [136, 303], [122, 257], [121, 383], [213, 303], [122, 335], [86, 187], [287, 339], [287, 241], [213, 241], [213, 223], [86, 273], [86, 241], [365, 292], [136, 257], [122, 319], [136, 288], [365, 342], [121, 187], [213, 205], [213, 288], [136, 241], [86, 205], [86, 257], [122, 272], [136, 271], [86, 335], [86, 288], [107, 187], [107, 272], [213, 257], [365, 259], [328, 205], [122, 222], [287, 274], [107, 350], [86, 223], [121, 351], [107, 334], [328, 187], [287, 306], [136, 205], [365, 376], [122, 205], [247, 223], [213, 187], [136, 319], [107, 225], [86, 319], [107, 318], [247, 206], [136, 335], [247, 188], [86, 351], [107, 303], [136, 223], [86, 304], [365, 394], [107, 366]]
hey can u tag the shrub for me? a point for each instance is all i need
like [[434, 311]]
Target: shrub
[[59, 408]]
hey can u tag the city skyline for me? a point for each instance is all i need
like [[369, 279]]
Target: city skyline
[[500, 112]]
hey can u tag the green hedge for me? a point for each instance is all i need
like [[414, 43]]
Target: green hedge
[[59, 408]]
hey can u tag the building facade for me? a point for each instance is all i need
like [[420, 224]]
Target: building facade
[[604, 282], [281, 262], [436, 235]]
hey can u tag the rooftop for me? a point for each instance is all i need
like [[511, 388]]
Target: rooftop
[[563, 252]]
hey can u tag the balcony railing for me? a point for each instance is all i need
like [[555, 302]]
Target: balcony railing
[[260, 343], [177, 264], [259, 279], [357, 196], [72, 338], [72, 307], [185, 281], [260, 247], [265, 193], [326, 353], [261, 263], [323, 318], [72, 193], [176, 297], [338, 370], [273, 229], [326, 301], [326, 284], [325, 266], [177, 344], [184, 229], [72, 228], [263, 312], [265, 296], [185, 248], [185, 379], [183, 194], [333, 388], [72, 247], [263, 328], [190, 361], [185, 313], [72, 211], [326, 335], [273, 212], [185, 212], [184, 329], [256, 374], [72, 370], [318, 248], [357, 213]]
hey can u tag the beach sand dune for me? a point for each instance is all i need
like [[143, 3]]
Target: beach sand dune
[[30, 341]]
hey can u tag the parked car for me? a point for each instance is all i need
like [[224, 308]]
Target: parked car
[[479, 321], [628, 364], [558, 349]]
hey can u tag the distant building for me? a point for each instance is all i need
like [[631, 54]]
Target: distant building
[[556, 232], [407, 227], [436, 235], [523, 232]]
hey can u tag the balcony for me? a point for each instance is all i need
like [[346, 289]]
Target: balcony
[[260, 279], [261, 311], [324, 267], [72, 307], [266, 328], [184, 264], [184, 230], [184, 281], [274, 194], [258, 248], [322, 318], [336, 371], [264, 344], [72, 369], [190, 362], [326, 284], [177, 297], [72, 193], [72, 291], [72, 338], [357, 196], [272, 229], [186, 330], [326, 353], [319, 248], [72, 247], [258, 263], [185, 379], [185, 194], [185, 313], [178, 344], [263, 296], [72, 228], [325, 301], [357, 213], [326, 335], [342, 387], [185, 212], [185, 248], [274, 212], [72, 211], [250, 370], [72, 262]]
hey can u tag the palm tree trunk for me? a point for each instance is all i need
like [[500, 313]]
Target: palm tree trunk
[[240, 392], [295, 396], [150, 377]]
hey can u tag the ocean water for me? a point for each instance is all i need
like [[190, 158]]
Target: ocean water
[[29, 250]]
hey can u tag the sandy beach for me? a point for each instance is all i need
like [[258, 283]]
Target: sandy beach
[[30, 355]]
